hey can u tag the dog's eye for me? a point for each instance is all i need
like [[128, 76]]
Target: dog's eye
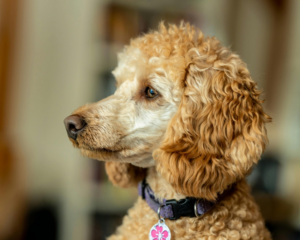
[[150, 92]]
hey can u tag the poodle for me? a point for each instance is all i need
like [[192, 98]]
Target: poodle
[[187, 125]]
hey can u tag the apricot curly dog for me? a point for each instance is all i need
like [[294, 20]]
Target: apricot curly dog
[[187, 118]]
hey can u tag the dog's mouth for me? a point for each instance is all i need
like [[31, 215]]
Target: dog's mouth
[[119, 151], [105, 150], [95, 149]]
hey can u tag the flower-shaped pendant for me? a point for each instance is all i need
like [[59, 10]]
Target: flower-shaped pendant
[[160, 231]]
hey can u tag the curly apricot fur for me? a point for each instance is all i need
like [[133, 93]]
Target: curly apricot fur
[[205, 131], [219, 130]]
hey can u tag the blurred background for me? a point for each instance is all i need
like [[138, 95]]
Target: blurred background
[[56, 55]]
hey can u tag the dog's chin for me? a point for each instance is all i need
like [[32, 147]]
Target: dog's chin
[[145, 163], [125, 155], [143, 160], [100, 154]]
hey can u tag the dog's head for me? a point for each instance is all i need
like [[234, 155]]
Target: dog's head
[[184, 103]]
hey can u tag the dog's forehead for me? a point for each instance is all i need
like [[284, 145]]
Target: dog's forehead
[[133, 63], [129, 62], [151, 64]]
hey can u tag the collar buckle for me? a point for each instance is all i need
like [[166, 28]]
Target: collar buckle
[[182, 208]]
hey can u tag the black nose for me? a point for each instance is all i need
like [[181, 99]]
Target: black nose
[[74, 124]]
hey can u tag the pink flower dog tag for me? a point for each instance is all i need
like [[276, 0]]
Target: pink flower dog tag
[[160, 231]]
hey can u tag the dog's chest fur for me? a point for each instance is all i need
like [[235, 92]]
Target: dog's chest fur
[[236, 217]]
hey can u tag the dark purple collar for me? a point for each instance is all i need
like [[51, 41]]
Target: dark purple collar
[[173, 209]]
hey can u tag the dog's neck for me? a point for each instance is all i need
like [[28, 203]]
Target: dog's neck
[[164, 190], [161, 188]]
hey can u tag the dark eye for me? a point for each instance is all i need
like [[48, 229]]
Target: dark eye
[[150, 92]]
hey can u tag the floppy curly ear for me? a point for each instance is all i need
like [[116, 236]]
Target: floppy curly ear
[[219, 130], [124, 174]]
